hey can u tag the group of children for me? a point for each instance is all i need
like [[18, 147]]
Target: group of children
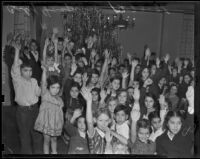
[[100, 106]]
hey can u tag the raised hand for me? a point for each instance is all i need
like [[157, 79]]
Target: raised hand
[[47, 42], [148, 82], [147, 52], [135, 114], [73, 68], [103, 94], [84, 61], [158, 62], [161, 100], [44, 26], [190, 94], [125, 75], [129, 55], [106, 53], [17, 46], [85, 77], [136, 94], [55, 31], [93, 53], [77, 113], [86, 94], [166, 58]]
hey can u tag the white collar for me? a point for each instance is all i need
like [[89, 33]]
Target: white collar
[[82, 134], [170, 137], [101, 133]]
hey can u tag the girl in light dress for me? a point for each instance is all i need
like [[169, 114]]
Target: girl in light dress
[[50, 119]]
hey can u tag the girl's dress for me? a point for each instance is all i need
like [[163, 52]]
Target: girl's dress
[[50, 119]]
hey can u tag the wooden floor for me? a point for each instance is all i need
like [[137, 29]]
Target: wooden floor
[[10, 137]]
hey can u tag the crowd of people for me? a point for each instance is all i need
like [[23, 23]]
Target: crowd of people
[[96, 103]]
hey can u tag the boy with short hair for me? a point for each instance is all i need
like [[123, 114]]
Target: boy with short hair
[[27, 94]]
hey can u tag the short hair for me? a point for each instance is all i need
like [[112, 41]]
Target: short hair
[[102, 110], [53, 79], [144, 123], [121, 107], [76, 121], [75, 84], [78, 71], [121, 90], [154, 114], [116, 78], [67, 54], [25, 64], [95, 71], [60, 39]]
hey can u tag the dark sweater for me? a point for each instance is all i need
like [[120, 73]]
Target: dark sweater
[[180, 146], [78, 144]]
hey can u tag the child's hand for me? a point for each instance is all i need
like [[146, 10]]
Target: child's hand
[[166, 58], [125, 75], [85, 77], [161, 100], [135, 114], [106, 53], [55, 41], [44, 26], [77, 113], [55, 31], [136, 94], [147, 52], [73, 68], [93, 53], [84, 61], [129, 55], [108, 136], [157, 61], [103, 94], [190, 94], [17, 46], [47, 42], [86, 94], [148, 82]]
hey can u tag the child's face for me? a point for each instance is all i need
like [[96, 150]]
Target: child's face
[[33, 46], [143, 134], [112, 73], [26, 72], [77, 78], [186, 62], [60, 45], [153, 69], [111, 106], [80, 63], [120, 117], [156, 123], [149, 102], [121, 69], [162, 81], [68, 60], [136, 84], [102, 121], [173, 90], [145, 73], [54, 89], [174, 72], [95, 78], [130, 92], [95, 96], [81, 124], [115, 84], [114, 61], [74, 92], [122, 97], [192, 73], [187, 79], [137, 69], [174, 124], [50, 61]]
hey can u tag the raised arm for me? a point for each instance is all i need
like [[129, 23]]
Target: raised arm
[[124, 79], [134, 64], [44, 80], [135, 115], [47, 42], [15, 71], [56, 50], [89, 117]]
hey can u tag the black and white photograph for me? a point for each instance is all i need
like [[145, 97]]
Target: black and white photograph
[[111, 78]]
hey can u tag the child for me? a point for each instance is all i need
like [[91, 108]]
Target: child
[[174, 142], [172, 96], [156, 125], [78, 138], [50, 119], [112, 103], [115, 85], [140, 131], [95, 100], [94, 79], [96, 134], [27, 94], [73, 101]]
